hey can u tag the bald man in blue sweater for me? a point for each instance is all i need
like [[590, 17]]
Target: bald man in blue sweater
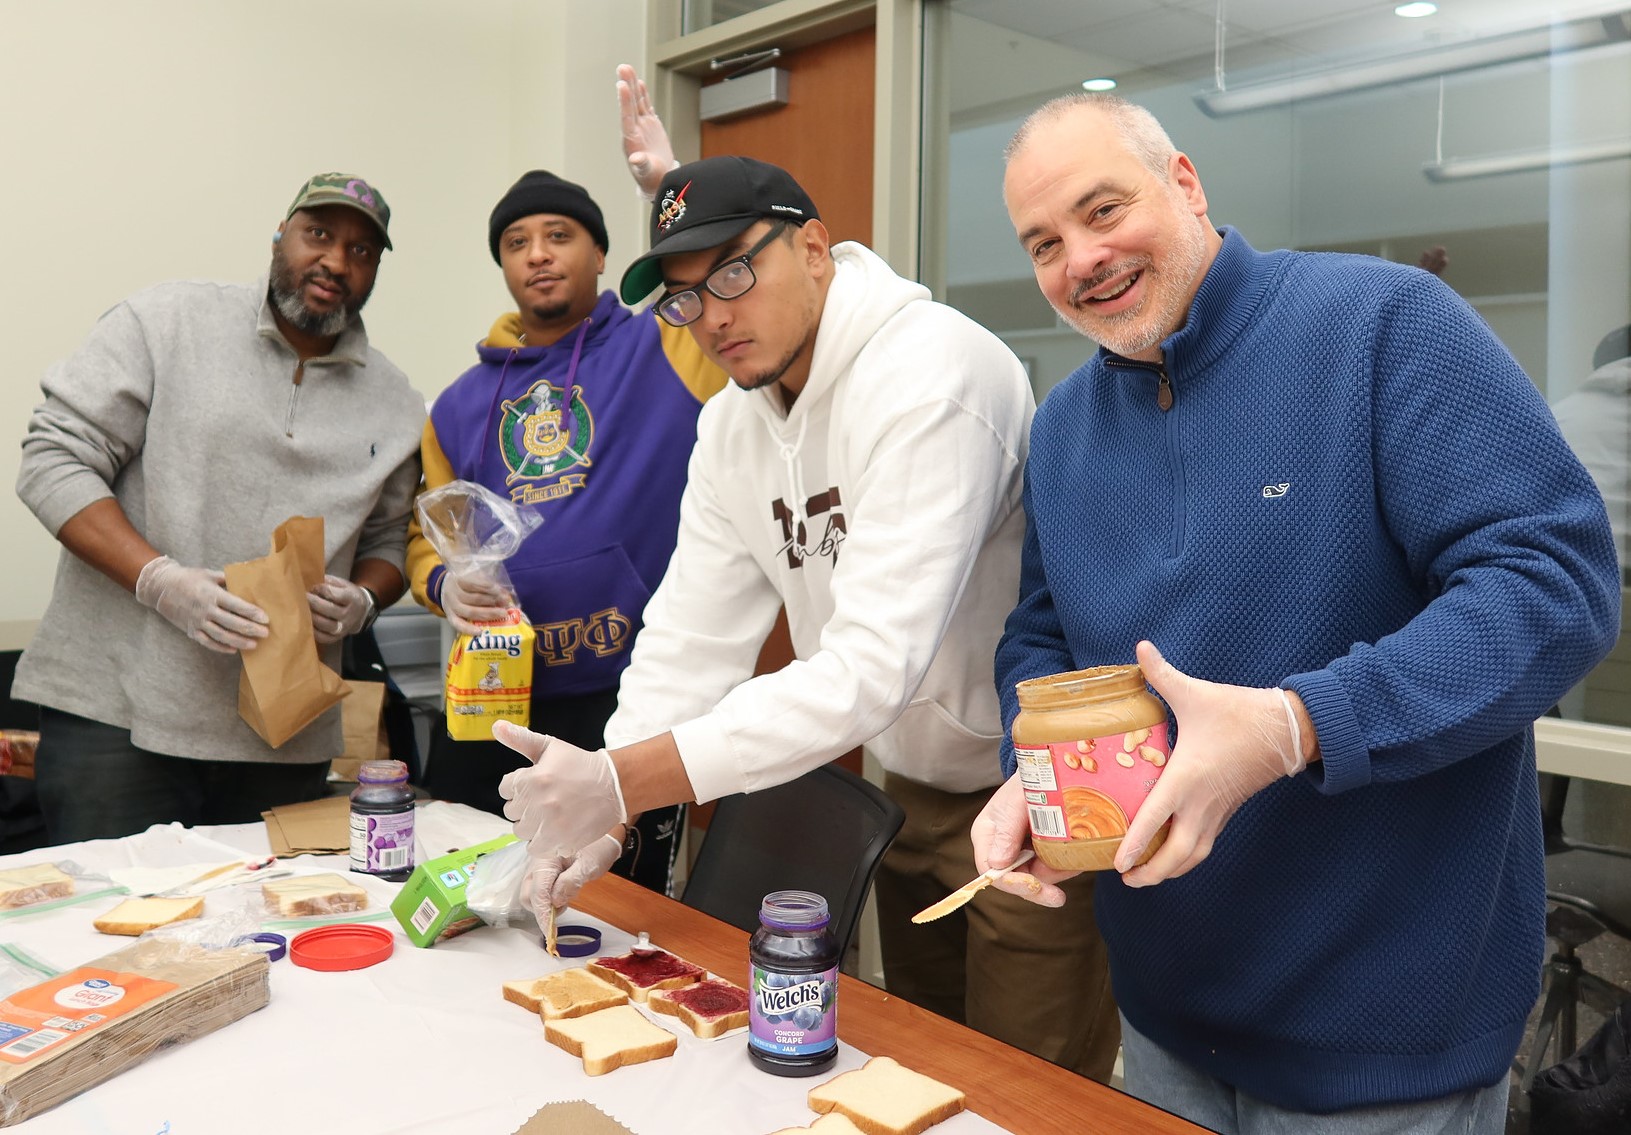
[[1336, 524]]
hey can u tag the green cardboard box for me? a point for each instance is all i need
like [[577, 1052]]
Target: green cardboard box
[[430, 905]]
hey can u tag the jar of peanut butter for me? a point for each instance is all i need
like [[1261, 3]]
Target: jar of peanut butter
[[1090, 746]]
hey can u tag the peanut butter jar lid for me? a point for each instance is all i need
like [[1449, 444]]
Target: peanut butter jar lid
[[1075, 687]]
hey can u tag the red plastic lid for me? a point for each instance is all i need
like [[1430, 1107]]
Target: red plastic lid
[[349, 945]]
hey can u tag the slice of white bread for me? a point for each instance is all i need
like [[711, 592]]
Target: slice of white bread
[[611, 1039], [569, 993], [647, 970], [830, 1124], [883, 1098], [709, 1008], [138, 916], [25, 886], [307, 895]]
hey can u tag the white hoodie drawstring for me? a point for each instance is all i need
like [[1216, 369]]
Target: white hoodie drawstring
[[795, 472]]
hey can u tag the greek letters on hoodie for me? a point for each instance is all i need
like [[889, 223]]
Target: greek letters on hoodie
[[882, 510]]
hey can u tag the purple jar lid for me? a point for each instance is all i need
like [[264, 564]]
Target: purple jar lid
[[576, 941], [274, 946]]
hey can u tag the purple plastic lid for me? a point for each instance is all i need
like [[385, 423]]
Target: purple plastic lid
[[576, 941]]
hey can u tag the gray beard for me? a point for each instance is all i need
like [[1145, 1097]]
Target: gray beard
[[1122, 333], [305, 320]]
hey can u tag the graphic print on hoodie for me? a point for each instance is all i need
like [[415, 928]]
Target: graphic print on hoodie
[[594, 432]]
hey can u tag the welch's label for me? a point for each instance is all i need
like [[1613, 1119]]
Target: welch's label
[[793, 1014]]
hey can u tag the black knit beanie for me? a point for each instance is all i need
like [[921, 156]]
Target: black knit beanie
[[540, 191]]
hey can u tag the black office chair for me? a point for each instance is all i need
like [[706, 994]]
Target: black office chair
[[824, 832], [1588, 893]]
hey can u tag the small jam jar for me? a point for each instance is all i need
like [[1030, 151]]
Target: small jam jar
[[1090, 745]]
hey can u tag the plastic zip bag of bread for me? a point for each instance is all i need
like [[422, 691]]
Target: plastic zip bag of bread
[[20, 969], [46, 885], [73, 1031], [313, 896]]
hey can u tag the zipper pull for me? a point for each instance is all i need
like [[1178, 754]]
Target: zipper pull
[[1163, 392]]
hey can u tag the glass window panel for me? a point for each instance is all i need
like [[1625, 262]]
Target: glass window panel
[[699, 14], [1542, 251]]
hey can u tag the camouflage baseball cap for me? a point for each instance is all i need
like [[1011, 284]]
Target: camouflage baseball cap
[[344, 189]]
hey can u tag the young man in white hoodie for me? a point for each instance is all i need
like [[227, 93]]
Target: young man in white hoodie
[[864, 471]]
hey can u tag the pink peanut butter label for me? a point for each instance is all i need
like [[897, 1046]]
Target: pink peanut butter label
[[1090, 789]]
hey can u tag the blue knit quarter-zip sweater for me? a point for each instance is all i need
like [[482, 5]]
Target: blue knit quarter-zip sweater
[[1357, 495]]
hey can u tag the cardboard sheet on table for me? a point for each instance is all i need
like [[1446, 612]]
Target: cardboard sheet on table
[[576, 1116], [317, 827]]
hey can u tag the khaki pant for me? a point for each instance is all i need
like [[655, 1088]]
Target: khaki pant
[[1034, 977]]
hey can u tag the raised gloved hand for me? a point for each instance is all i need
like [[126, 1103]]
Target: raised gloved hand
[[555, 881], [1000, 832], [468, 601], [1233, 741], [645, 142], [566, 800], [338, 608], [197, 601]]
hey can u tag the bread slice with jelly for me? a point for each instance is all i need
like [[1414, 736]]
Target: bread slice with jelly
[[638, 972], [709, 1008]]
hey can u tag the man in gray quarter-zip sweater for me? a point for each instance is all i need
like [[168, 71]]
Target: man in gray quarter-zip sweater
[[194, 420]]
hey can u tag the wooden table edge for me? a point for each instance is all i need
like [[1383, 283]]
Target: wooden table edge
[[1019, 1092]]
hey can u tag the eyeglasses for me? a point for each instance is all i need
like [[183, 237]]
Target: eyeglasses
[[731, 280]]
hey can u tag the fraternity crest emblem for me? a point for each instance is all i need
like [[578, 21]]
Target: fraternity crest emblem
[[673, 208], [541, 439]]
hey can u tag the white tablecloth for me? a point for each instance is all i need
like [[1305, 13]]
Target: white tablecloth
[[421, 1043]]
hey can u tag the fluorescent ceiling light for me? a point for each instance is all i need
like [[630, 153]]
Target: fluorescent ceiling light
[[1098, 84], [1469, 56], [1459, 169], [1416, 10]]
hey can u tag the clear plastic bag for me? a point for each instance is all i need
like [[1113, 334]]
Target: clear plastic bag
[[494, 893], [474, 529], [45, 886]]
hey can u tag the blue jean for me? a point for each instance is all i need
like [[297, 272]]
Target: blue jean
[[94, 784], [1157, 1077]]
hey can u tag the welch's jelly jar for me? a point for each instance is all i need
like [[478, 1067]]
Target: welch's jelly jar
[[793, 964], [382, 821]]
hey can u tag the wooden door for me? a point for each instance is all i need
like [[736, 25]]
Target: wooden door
[[823, 137]]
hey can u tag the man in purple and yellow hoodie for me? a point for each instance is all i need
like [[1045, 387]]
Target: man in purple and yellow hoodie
[[586, 412]]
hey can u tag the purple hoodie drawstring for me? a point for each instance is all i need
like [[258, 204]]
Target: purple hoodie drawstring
[[498, 388]]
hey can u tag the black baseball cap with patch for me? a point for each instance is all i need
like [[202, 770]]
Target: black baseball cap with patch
[[704, 204]]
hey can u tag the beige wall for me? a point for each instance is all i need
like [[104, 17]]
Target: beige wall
[[146, 140]]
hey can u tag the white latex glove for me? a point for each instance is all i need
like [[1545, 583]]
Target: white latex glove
[[467, 602], [197, 601], [1233, 741], [1000, 832], [338, 608], [555, 881], [645, 142], [567, 799]]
